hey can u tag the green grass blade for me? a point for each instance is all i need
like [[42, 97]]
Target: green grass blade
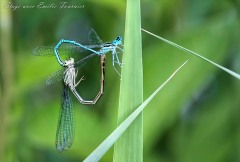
[[194, 53], [131, 87], [97, 154]]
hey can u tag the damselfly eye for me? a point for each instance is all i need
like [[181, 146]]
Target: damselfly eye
[[119, 38]]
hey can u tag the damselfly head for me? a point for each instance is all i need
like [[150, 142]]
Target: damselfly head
[[117, 41], [68, 62]]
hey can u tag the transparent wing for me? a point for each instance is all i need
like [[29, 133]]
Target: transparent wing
[[55, 77], [63, 50], [66, 126], [93, 38], [43, 51], [79, 64]]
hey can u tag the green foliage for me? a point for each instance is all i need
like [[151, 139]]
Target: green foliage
[[97, 154], [130, 146], [195, 118]]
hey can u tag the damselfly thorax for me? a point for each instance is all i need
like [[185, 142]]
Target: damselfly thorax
[[70, 74]]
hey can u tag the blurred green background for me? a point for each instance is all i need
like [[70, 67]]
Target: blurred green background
[[195, 118]]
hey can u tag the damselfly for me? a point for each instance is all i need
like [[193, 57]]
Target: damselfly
[[67, 49], [97, 46], [65, 129]]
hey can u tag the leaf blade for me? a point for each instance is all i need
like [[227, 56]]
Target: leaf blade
[[196, 54], [114, 136]]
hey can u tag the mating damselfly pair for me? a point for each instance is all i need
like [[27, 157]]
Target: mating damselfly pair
[[66, 129]]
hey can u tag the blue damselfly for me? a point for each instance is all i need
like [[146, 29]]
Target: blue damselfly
[[97, 46]]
